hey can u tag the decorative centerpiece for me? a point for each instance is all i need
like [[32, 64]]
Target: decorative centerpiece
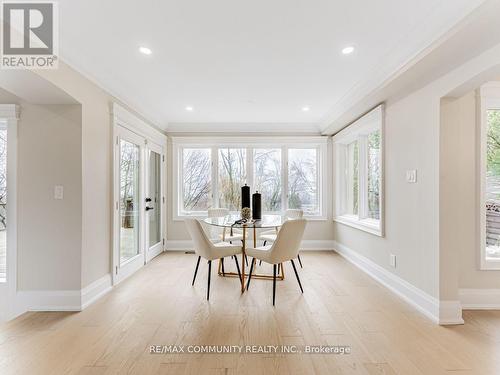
[[246, 213]]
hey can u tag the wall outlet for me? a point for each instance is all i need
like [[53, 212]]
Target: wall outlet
[[411, 176], [392, 260], [58, 192]]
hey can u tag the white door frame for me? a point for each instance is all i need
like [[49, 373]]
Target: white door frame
[[123, 122], [8, 290]]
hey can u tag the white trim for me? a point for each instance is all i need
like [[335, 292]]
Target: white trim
[[306, 245], [441, 312], [231, 141], [49, 300], [450, 313], [244, 127], [61, 300], [480, 299], [366, 225], [125, 118], [92, 292]]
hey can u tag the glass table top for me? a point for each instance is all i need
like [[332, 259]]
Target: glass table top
[[267, 221]]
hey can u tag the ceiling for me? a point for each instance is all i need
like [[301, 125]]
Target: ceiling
[[252, 64]]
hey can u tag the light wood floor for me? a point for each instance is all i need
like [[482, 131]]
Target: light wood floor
[[158, 306]]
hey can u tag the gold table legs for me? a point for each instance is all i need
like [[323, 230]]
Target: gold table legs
[[280, 276]]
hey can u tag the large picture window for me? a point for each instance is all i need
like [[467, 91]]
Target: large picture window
[[359, 177], [211, 172]]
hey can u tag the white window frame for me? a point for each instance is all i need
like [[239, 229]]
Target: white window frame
[[488, 98], [8, 290], [249, 143], [359, 130]]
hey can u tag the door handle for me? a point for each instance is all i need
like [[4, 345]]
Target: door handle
[[149, 208], [148, 199]]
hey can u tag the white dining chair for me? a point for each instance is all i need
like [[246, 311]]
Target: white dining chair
[[285, 247], [208, 250], [270, 235], [234, 235]]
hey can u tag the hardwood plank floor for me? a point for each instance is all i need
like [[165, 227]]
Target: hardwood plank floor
[[340, 306]]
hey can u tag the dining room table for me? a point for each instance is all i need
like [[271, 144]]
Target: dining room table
[[232, 222]]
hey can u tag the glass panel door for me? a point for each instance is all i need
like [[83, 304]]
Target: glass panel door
[[139, 202], [128, 254], [129, 200], [154, 201]]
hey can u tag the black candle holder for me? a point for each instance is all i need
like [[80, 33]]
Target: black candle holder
[[257, 206], [245, 196]]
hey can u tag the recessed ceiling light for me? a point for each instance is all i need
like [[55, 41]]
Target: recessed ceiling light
[[348, 50], [145, 50], [189, 108], [306, 109]]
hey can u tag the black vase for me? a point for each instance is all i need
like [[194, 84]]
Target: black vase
[[256, 206], [245, 196]]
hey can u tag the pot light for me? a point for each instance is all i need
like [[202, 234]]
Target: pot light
[[189, 108], [348, 50], [145, 50], [305, 109]]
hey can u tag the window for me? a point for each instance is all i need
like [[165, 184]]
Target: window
[[3, 202], [490, 176], [196, 179], [358, 178], [267, 177], [288, 173], [232, 176], [303, 180]]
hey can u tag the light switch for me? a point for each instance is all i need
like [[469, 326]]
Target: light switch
[[392, 260], [411, 176], [58, 192]]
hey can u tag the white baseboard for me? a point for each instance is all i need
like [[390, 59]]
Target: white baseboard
[[450, 313], [96, 290], [62, 300], [306, 245], [49, 300], [441, 312], [480, 299]]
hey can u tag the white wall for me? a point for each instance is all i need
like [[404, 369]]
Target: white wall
[[49, 230], [49, 235], [411, 142], [413, 210]]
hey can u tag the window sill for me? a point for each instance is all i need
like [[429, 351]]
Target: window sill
[[367, 225], [490, 265]]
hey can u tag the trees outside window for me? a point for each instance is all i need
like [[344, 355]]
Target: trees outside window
[[212, 176], [493, 184], [196, 179], [267, 177], [303, 180]]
